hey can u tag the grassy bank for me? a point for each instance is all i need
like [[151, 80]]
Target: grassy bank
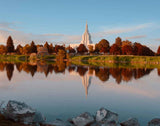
[[13, 58], [118, 61], [23, 58]]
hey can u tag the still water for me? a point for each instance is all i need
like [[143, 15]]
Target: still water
[[63, 90]]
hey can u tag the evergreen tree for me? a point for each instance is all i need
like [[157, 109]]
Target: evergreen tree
[[10, 45], [33, 47]]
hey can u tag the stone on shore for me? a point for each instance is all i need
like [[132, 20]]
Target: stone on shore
[[154, 122], [21, 112], [130, 122], [106, 117], [83, 119]]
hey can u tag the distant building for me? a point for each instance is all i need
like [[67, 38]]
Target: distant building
[[86, 39]]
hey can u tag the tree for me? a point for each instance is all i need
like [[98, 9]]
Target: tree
[[3, 49], [33, 47], [127, 50], [10, 45], [90, 49], [46, 45], [57, 47], [126, 42], [102, 44], [103, 50], [118, 41], [19, 49], [82, 49], [69, 49], [158, 51], [27, 49], [51, 49], [142, 50], [115, 50]]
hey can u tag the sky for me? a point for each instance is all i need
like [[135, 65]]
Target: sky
[[63, 21]]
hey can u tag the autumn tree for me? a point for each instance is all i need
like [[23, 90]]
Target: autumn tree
[[57, 47], [102, 44], [118, 41], [90, 49], [127, 50], [51, 48], [115, 50], [33, 48], [69, 49], [82, 49], [10, 45], [142, 50], [19, 49], [46, 45], [27, 49], [3, 49], [158, 51], [126, 42]]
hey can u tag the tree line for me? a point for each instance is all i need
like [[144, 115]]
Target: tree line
[[102, 47]]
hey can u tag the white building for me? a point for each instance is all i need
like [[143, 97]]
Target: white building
[[86, 39]]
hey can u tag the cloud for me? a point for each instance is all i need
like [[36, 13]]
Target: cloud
[[157, 39], [136, 37], [121, 30], [23, 38]]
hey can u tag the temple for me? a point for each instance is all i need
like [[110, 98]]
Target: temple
[[86, 39]]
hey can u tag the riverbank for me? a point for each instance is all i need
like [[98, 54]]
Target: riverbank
[[114, 61]]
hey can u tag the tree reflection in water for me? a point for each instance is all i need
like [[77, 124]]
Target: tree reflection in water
[[86, 72]]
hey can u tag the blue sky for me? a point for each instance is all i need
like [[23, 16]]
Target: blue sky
[[63, 21]]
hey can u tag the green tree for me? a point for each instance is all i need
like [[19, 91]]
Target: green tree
[[10, 45]]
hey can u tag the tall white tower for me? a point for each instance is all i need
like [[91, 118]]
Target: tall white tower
[[86, 37]]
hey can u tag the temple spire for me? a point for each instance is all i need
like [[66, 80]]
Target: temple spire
[[86, 27], [86, 37]]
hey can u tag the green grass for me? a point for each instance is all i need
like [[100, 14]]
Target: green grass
[[118, 61], [13, 58]]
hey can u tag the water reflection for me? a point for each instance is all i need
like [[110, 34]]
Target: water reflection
[[85, 72]]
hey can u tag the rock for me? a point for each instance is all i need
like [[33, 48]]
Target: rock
[[21, 112], [154, 122], [59, 122], [83, 119], [130, 122], [106, 117]]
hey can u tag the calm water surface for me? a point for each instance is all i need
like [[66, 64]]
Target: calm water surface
[[63, 91]]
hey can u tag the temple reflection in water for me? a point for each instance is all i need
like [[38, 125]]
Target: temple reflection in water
[[85, 72]]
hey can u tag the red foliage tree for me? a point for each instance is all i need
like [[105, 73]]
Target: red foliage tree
[[115, 50], [102, 44], [57, 47], [82, 49], [127, 50], [142, 50], [158, 51], [118, 41], [70, 49]]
